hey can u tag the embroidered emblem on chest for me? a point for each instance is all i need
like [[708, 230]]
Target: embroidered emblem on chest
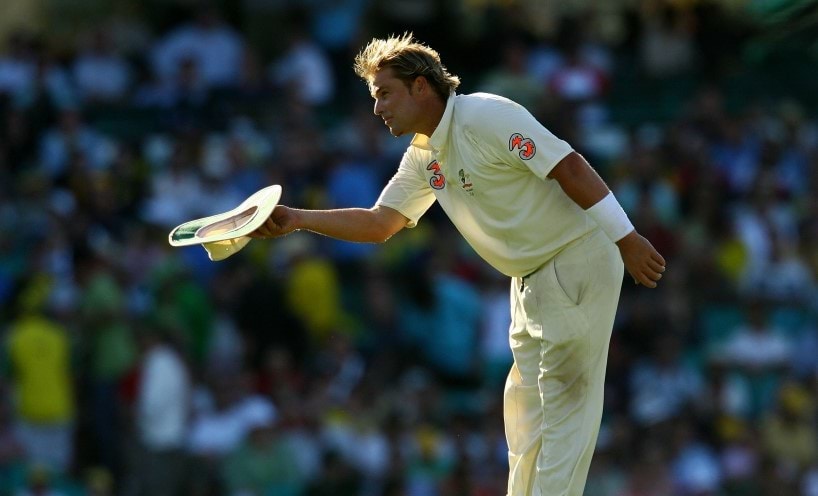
[[438, 180], [465, 182], [526, 146]]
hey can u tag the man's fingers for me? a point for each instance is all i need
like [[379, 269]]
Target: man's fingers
[[648, 283], [643, 278], [267, 230], [263, 231], [656, 266], [646, 267]]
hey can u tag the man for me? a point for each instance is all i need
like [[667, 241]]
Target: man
[[532, 208]]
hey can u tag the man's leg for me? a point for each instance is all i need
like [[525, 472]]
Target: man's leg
[[554, 393], [572, 387], [522, 406]]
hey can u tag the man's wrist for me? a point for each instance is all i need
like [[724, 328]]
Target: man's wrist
[[611, 218]]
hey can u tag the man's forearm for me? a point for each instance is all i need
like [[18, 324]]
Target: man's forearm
[[349, 224], [584, 186]]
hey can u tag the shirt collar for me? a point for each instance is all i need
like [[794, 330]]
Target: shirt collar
[[437, 140]]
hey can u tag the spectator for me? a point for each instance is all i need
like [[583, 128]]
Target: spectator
[[17, 66], [246, 148], [494, 324], [644, 181], [213, 49], [579, 80], [649, 472], [100, 74], [350, 183], [663, 386], [735, 155], [184, 88], [162, 411], [39, 352], [72, 137], [304, 70], [787, 279], [176, 192], [763, 221], [112, 353], [354, 431], [788, 434], [51, 87], [513, 79], [694, 465], [444, 307], [265, 463], [220, 428], [740, 455], [757, 346], [340, 368], [314, 295], [758, 352], [336, 25], [667, 41], [805, 349]]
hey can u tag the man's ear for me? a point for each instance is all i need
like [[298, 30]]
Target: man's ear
[[420, 85]]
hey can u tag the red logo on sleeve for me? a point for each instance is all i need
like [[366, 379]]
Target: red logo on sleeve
[[438, 180], [526, 146]]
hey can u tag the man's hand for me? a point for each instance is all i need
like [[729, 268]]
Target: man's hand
[[641, 259], [282, 221]]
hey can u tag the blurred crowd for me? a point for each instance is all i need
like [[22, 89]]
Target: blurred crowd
[[305, 366]]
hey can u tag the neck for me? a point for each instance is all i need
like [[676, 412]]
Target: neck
[[435, 111]]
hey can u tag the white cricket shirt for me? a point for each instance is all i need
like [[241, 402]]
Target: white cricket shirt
[[486, 165]]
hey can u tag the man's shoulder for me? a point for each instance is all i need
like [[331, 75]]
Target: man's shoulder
[[485, 109], [481, 101]]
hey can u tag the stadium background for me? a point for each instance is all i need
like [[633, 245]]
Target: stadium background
[[304, 366]]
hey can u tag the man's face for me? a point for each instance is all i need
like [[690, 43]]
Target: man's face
[[395, 103]]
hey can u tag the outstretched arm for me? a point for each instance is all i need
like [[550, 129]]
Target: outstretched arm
[[373, 225], [583, 185]]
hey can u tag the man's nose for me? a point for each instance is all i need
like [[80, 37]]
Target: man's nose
[[377, 108]]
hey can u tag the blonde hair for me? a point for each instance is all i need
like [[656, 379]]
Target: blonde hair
[[408, 59]]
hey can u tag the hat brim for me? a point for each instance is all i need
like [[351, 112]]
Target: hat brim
[[226, 233]]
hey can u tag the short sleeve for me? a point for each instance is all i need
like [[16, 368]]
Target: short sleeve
[[513, 136], [408, 192]]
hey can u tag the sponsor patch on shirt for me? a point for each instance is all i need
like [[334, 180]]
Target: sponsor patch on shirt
[[438, 180], [526, 146], [465, 182]]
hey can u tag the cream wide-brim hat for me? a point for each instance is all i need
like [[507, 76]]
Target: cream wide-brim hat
[[226, 233]]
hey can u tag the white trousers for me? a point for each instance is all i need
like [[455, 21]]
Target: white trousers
[[561, 321]]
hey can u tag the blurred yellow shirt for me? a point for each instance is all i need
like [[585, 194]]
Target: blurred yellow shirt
[[39, 352], [314, 295]]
